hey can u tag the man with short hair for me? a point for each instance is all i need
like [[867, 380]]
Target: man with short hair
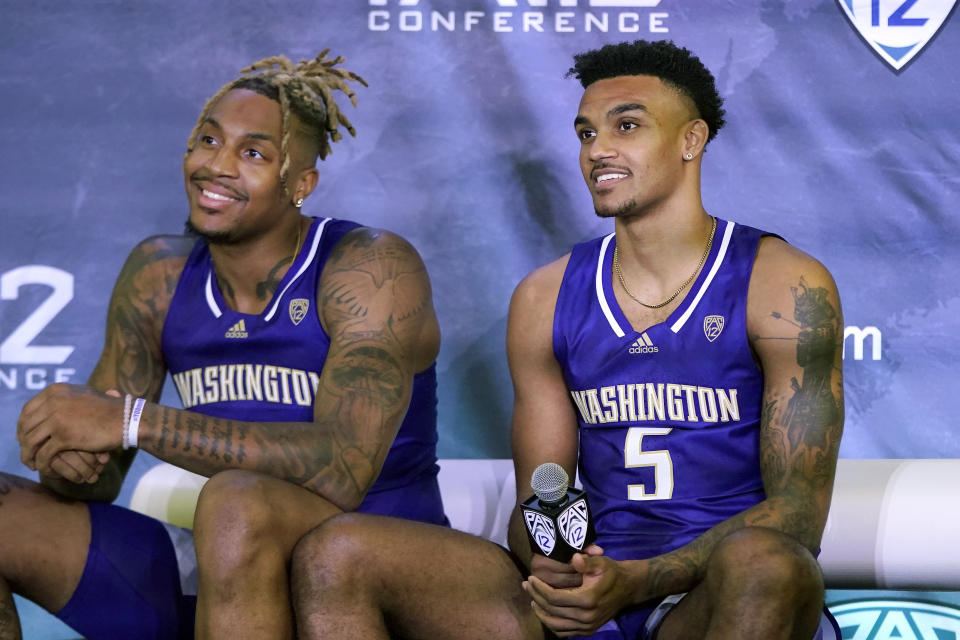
[[303, 350], [688, 367]]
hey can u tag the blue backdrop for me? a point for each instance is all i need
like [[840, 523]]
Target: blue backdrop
[[842, 136]]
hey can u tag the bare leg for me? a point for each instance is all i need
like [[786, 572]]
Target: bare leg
[[759, 583], [369, 577], [245, 528], [9, 622], [44, 549]]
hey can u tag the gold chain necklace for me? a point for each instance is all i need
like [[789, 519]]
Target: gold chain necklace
[[706, 252]]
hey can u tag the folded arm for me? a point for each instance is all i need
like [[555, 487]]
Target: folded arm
[[375, 304]]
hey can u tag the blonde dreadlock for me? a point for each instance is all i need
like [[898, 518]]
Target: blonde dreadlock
[[306, 88]]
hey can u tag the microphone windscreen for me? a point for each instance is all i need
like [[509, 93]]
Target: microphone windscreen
[[550, 482]]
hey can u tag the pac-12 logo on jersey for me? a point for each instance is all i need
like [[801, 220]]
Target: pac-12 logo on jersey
[[897, 30], [298, 310], [712, 326], [541, 529], [573, 524]]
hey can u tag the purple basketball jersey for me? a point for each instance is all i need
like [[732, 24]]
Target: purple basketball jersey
[[669, 417], [266, 367]]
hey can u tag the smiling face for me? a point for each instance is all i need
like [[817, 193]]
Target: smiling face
[[632, 132], [232, 172]]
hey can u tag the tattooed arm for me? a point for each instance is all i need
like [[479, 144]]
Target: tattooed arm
[[796, 329], [375, 304], [131, 361]]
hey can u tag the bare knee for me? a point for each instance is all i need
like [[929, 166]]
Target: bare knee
[[334, 553], [233, 519], [765, 564]]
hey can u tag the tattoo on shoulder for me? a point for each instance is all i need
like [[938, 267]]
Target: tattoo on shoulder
[[137, 309], [375, 288]]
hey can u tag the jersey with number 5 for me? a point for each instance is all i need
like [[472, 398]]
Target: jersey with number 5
[[669, 417]]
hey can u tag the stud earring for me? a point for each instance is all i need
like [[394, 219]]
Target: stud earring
[[298, 203], [688, 156]]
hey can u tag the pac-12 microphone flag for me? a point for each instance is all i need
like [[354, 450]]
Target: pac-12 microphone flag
[[556, 508]]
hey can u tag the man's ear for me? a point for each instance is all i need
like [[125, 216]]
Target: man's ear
[[305, 184], [695, 139]]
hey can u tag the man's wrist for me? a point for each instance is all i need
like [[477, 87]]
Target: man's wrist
[[132, 413], [634, 574]]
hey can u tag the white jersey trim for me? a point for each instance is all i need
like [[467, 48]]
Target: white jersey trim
[[602, 298], [303, 267], [215, 308], [208, 291], [727, 233]]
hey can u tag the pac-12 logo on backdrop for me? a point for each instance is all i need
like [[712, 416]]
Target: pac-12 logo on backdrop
[[26, 362], [899, 619], [897, 29]]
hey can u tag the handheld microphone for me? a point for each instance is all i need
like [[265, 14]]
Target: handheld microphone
[[556, 507]]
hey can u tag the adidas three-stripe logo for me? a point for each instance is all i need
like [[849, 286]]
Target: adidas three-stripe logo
[[643, 345], [238, 330]]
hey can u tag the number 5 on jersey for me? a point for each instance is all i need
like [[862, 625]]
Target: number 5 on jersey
[[635, 456]]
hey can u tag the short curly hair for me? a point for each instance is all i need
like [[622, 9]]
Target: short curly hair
[[674, 65]]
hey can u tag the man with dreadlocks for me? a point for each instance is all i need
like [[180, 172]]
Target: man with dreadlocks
[[303, 351]]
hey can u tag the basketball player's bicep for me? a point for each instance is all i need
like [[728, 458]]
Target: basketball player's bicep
[[376, 289], [798, 336], [544, 425], [132, 360]]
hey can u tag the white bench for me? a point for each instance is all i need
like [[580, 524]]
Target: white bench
[[894, 524]]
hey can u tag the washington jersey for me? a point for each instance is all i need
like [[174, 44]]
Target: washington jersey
[[669, 417], [266, 367]]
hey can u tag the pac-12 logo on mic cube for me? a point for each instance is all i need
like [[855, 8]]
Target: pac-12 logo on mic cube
[[557, 516]]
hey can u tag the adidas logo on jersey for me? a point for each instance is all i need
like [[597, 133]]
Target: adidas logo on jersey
[[238, 330], [643, 345]]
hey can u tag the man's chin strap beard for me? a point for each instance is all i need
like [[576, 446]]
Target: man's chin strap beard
[[221, 237], [621, 212]]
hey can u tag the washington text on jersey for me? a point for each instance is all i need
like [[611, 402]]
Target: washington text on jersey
[[233, 382], [656, 402]]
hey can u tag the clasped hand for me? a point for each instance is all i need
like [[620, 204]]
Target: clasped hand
[[66, 431], [578, 597]]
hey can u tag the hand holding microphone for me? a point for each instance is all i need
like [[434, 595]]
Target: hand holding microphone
[[557, 516]]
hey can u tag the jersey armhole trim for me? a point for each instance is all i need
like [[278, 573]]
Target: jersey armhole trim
[[727, 233]]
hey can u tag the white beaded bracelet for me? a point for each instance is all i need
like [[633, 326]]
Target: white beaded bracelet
[[127, 401]]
